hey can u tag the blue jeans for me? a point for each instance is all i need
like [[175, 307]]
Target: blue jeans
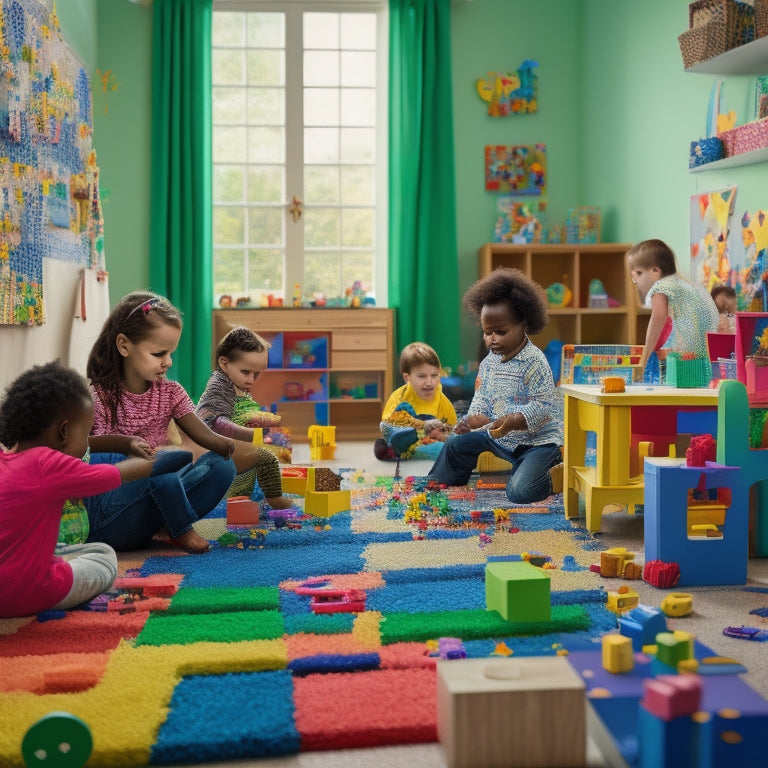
[[176, 495], [529, 481]]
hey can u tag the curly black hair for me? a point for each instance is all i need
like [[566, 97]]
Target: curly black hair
[[240, 339], [136, 315], [38, 398], [525, 298]]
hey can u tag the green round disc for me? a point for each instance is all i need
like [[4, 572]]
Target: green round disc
[[58, 740]]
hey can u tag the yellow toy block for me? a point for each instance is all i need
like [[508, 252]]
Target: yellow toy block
[[294, 479], [617, 654], [322, 442], [324, 503]]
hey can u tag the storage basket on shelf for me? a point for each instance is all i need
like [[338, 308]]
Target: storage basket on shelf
[[705, 151], [715, 27], [761, 18], [745, 138], [703, 42]]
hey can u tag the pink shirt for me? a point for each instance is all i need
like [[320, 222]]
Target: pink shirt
[[34, 484], [146, 415]]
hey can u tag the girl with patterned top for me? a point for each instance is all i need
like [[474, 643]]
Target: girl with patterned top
[[516, 412], [693, 312], [134, 404], [240, 357]]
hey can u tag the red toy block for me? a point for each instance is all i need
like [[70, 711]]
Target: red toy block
[[159, 585], [660, 574], [672, 696], [242, 511]]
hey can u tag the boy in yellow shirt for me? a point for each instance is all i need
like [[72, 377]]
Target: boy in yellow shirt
[[417, 415]]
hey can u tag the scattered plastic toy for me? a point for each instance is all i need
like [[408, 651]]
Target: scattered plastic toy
[[747, 633]]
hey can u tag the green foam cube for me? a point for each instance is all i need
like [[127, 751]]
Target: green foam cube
[[518, 591]]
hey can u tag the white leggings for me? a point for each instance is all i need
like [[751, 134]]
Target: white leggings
[[94, 570]]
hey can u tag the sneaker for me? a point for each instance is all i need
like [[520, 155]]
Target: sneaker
[[382, 451], [556, 476]]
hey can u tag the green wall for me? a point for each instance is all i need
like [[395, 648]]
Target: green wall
[[616, 111]]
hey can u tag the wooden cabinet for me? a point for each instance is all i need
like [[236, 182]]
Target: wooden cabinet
[[326, 366], [576, 266]]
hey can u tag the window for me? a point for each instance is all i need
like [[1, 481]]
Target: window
[[299, 149]]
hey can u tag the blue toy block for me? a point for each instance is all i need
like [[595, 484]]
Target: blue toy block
[[667, 743], [733, 450], [641, 625], [703, 560]]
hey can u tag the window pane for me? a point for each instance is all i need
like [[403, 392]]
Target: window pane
[[229, 106], [265, 225], [266, 106], [357, 227], [266, 67], [358, 30], [228, 272], [321, 184], [265, 145], [321, 145], [228, 225], [358, 68], [265, 270], [358, 145], [227, 184], [358, 106], [266, 30], [321, 274], [321, 68], [228, 145], [228, 29], [321, 30], [321, 227], [357, 184], [321, 106], [358, 266], [228, 67], [266, 184]]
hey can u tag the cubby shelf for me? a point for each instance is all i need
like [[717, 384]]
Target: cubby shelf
[[576, 265], [327, 366]]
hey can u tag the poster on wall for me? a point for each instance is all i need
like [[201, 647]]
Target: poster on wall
[[710, 258], [749, 253], [49, 188], [516, 170]]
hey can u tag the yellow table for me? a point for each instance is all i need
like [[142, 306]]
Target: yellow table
[[609, 416]]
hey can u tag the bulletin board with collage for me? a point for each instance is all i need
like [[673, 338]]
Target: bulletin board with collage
[[49, 179]]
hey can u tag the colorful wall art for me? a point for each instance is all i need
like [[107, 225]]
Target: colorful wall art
[[710, 259], [516, 170], [49, 180], [510, 94]]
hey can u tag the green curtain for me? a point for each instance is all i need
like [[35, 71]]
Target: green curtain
[[180, 230], [423, 258]]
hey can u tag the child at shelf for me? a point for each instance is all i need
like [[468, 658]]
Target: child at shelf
[[417, 417], [45, 418], [693, 312], [724, 297], [517, 411], [134, 404], [240, 357]]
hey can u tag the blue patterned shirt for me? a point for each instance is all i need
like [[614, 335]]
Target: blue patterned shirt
[[523, 384]]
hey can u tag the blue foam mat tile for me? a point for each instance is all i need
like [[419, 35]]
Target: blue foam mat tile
[[330, 663]]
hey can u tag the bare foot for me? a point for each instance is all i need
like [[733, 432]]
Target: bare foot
[[280, 502], [192, 542]]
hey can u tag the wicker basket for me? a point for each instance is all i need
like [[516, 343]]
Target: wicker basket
[[703, 42], [738, 17], [761, 18]]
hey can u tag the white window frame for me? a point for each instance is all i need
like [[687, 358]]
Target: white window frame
[[293, 10]]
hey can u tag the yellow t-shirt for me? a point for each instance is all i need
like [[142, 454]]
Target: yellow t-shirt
[[439, 407]]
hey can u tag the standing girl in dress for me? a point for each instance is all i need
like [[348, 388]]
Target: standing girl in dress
[[134, 405]]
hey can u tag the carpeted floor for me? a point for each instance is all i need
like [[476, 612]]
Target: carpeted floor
[[238, 666]]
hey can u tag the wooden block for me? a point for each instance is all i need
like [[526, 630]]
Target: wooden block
[[518, 591], [294, 479], [511, 713], [242, 511]]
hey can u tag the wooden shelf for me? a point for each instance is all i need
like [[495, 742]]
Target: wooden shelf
[[748, 59], [745, 158]]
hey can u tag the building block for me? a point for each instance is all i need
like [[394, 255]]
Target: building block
[[617, 654], [322, 442], [703, 560], [294, 479], [671, 696], [673, 647], [242, 511], [641, 625], [324, 503], [667, 743], [519, 591], [518, 713]]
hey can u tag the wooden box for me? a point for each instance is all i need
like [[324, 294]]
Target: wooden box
[[511, 713]]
